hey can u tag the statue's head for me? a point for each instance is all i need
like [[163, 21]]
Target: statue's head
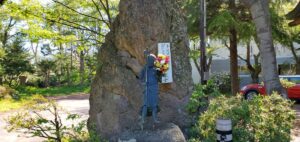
[[150, 60]]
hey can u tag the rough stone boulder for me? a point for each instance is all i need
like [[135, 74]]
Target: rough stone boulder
[[116, 93], [165, 133]]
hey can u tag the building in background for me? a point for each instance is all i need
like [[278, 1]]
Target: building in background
[[221, 62]]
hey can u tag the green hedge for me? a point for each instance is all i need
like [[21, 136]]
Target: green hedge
[[263, 119]]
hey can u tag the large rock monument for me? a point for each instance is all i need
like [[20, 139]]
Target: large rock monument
[[116, 93]]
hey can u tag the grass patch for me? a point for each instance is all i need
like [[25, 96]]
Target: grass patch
[[53, 91], [12, 104]]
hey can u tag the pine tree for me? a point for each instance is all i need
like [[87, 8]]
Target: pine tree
[[16, 61]]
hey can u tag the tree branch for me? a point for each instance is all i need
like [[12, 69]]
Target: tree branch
[[248, 52], [6, 35], [243, 59], [99, 11], [69, 24], [76, 10], [197, 65], [81, 27], [209, 63], [249, 65], [86, 39], [293, 51], [226, 45], [108, 12], [45, 133], [106, 9]]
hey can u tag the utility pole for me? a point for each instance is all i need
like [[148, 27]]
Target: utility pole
[[203, 72]]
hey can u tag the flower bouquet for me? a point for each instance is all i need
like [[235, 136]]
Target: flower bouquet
[[162, 63]]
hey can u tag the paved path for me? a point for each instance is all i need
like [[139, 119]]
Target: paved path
[[78, 104]]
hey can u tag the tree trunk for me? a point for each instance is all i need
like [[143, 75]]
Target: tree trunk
[[261, 17], [6, 35], [22, 79], [296, 58], [234, 62], [69, 75], [71, 63], [47, 74], [197, 66], [257, 69], [298, 67], [255, 77], [81, 67], [61, 65], [11, 78], [253, 69], [196, 60], [35, 53], [34, 50], [116, 94], [233, 54], [209, 63], [57, 124]]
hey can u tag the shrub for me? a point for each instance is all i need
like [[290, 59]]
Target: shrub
[[42, 118], [263, 119], [3, 92], [286, 84], [222, 81], [7, 92], [201, 95], [16, 61], [54, 81], [34, 80], [199, 101]]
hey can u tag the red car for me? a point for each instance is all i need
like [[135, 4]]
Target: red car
[[251, 90]]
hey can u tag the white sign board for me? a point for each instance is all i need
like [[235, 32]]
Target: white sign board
[[164, 48]]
